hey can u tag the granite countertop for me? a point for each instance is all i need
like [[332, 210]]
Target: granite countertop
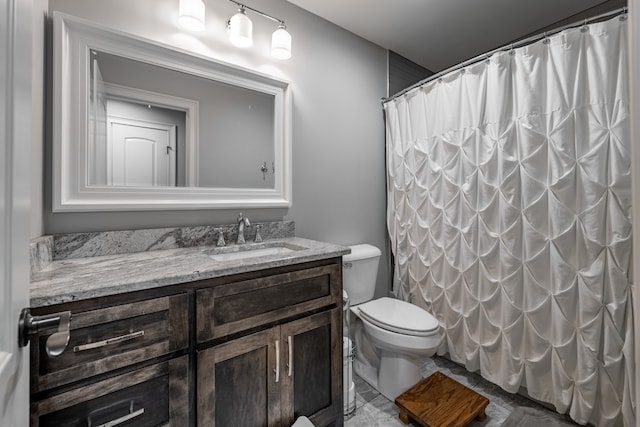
[[84, 278]]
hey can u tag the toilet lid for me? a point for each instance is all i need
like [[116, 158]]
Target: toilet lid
[[399, 316]]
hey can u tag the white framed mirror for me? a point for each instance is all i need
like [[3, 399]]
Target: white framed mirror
[[138, 125]]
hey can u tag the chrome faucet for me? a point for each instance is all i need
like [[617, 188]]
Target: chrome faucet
[[242, 222]]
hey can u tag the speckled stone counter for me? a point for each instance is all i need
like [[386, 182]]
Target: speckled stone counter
[[45, 249], [72, 279]]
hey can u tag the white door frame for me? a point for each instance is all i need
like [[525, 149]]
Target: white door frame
[[16, 27], [634, 86]]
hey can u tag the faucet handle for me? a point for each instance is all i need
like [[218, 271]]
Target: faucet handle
[[258, 238], [221, 241]]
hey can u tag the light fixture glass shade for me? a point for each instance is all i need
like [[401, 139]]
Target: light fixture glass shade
[[281, 43], [191, 15], [241, 29]]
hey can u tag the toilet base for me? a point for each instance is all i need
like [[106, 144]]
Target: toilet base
[[397, 374]]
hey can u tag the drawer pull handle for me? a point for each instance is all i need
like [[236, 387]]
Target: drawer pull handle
[[109, 341], [277, 370], [123, 419], [290, 360]]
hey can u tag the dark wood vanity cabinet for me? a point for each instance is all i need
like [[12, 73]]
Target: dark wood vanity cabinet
[[275, 375], [270, 349], [251, 349]]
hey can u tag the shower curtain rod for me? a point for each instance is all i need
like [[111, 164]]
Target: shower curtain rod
[[508, 47]]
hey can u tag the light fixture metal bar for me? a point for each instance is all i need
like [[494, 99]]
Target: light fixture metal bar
[[244, 6]]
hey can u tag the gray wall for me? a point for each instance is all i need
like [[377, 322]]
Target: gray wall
[[404, 73], [338, 80]]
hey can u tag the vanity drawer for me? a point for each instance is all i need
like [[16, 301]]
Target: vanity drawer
[[109, 338], [242, 305], [153, 396]]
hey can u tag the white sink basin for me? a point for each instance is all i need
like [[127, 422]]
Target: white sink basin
[[244, 252]]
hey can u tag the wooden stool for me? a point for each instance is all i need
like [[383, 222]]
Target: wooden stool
[[441, 401]]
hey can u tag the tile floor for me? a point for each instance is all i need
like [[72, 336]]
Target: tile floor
[[375, 410]]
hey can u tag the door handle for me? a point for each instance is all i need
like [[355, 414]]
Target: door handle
[[29, 325]]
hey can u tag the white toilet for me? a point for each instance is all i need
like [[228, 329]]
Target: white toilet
[[392, 337]]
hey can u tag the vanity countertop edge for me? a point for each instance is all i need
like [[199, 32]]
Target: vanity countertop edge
[[92, 277]]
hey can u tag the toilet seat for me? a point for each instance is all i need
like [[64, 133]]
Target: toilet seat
[[399, 316]]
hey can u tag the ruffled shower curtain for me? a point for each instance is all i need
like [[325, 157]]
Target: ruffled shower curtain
[[509, 216]]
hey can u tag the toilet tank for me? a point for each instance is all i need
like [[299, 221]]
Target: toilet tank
[[359, 273]]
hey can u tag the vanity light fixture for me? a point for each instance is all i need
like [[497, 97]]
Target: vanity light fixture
[[281, 43], [240, 28], [191, 15]]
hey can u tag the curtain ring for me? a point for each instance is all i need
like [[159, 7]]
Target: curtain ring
[[546, 39], [585, 27]]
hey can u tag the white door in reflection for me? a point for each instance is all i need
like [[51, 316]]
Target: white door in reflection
[[140, 154]]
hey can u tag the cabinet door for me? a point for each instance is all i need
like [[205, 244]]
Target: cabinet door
[[312, 380], [239, 382]]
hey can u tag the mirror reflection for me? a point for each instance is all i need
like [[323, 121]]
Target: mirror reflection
[[151, 126], [137, 125]]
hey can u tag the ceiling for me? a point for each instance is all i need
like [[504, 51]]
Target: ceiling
[[438, 34]]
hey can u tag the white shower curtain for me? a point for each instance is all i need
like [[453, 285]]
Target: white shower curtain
[[509, 215]]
